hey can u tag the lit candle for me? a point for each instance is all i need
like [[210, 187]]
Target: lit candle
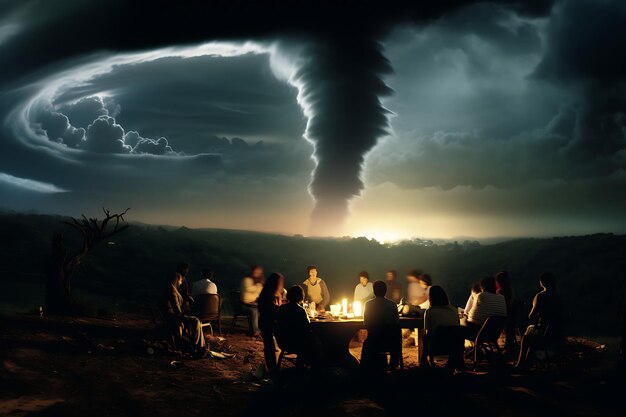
[[344, 304], [356, 307]]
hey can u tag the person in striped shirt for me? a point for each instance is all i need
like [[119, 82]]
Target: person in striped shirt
[[486, 304]]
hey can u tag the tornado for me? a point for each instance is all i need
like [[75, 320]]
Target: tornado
[[340, 85]]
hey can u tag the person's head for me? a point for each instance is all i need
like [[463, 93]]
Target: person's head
[[380, 288], [295, 294], [312, 270], [275, 284], [502, 280], [391, 275], [207, 273], [548, 281], [413, 275], [175, 280], [488, 284], [437, 296], [182, 268], [364, 278], [425, 281], [476, 288], [256, 272]]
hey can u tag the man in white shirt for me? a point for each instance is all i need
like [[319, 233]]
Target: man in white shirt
[[417, 288], [205, 285]]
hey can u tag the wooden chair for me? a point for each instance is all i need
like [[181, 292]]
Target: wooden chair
[[487, 337], [445, 341], [208, 308]]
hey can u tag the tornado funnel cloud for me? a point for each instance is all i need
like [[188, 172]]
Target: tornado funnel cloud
[[341, 86]]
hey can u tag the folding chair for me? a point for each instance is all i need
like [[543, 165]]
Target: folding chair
[[238, 311], [487, 337]]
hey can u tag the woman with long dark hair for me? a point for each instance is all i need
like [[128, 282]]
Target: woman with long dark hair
[[270, 299]]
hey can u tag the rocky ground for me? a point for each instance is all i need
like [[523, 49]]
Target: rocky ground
[[114, 367]]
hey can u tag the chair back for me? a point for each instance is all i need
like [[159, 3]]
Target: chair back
[[386, 339], [207, 306], [446, 340], [235, 299], [491, 329]]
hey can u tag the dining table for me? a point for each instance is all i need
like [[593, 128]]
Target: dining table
[[335, 334]]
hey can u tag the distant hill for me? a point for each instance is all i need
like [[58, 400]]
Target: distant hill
[[127, 273]]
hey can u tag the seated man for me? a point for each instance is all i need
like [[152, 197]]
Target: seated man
[[293, 328], [487, 304], [171, 306], [205, 285], [251, 287], [363, 292], [383, 330], [315, 289]]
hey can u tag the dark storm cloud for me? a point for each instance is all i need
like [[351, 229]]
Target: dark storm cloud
[[189, 100], [344, 36], [586, 44]]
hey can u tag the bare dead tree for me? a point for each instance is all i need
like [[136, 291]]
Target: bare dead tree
[[64, 261]]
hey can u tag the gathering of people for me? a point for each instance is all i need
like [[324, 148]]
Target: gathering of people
[[281, 317]]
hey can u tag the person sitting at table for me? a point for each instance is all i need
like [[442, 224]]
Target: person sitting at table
[[383, 331], [293, 327], [546, 320], [251, 288], [487, 304], [472, 298], [172, 308], [394, 288], [269, 301], [206, 284], [505, 289], [315, 289], [417, 289], [441, 314], [364, 291]]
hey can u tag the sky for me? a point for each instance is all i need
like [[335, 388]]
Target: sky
[[441, 120]]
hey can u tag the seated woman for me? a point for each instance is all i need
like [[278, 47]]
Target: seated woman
[[442, 329], [364, 291], [315, 289], [172, 303], [546, 320], [293, 327]]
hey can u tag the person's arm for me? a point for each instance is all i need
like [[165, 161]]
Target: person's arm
[[534, 312], [325, 294], [474, 308]]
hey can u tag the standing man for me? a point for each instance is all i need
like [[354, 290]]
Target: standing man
[[417, 289], [251, 287], [315, 289], [394, 288]]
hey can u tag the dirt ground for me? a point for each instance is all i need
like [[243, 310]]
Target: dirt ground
[[111, 367]]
